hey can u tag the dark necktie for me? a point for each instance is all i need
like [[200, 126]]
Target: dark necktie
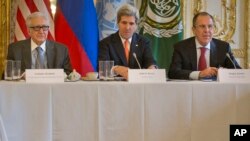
[[202, 61], [40, 58]]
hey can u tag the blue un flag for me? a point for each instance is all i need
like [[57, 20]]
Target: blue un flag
[[107, 10]]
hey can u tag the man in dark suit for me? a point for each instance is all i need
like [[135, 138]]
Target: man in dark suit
[[187, 61], [125, 45], [55, 55]]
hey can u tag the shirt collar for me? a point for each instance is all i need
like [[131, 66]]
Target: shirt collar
[[198, 45], [123, 40], [34, 45]]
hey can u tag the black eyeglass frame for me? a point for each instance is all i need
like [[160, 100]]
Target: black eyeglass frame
[[38, 28]]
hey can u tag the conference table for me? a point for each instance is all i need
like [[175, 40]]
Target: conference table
[[122, 111]]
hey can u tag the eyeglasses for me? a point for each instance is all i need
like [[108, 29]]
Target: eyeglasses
[[210, 26], [38, 28]]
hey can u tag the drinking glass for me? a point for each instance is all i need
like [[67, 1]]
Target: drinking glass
[[105, 70]]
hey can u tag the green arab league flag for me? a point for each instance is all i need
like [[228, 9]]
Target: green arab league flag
[[161, 22]]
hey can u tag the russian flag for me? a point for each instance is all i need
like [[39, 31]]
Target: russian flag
[[76, 26]]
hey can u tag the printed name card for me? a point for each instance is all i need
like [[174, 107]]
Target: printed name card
[[147, 75], [44, 75], [234, 75]]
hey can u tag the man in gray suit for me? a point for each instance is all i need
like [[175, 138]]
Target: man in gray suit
[[125, 46], [186, 61], [55, 55]]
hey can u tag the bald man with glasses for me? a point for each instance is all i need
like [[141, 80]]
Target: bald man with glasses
[[37, 52]]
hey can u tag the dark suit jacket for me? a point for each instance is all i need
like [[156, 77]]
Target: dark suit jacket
[[111, 48], [57, 55], [184, 59]]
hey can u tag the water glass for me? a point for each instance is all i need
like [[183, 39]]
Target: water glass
[[105, 70], [12, 70], [8, 73], [16, 70]]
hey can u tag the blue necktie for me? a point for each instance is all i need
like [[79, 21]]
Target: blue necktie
[[40, 58]]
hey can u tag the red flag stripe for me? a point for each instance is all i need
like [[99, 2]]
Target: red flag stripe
[[21, 23], [18, 33], [31, 5], [50, 36], [47, 4]]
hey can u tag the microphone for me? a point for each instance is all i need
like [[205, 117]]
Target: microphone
[[228, 56], [136, 60]]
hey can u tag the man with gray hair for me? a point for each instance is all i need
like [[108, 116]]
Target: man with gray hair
[[37, 52], [125, 46], [199, 57]]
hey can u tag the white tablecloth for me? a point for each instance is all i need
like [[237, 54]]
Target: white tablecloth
[[3, 136], [122, 111]]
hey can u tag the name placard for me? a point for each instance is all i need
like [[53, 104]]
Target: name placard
[[147, 75], [44, 75], [234, 75]]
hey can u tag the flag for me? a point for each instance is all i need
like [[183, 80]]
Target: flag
[[107, 11], [161, 22], [24, 9], [76, 26]]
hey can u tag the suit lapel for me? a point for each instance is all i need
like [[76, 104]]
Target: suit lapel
[[213, 55], [50, 53], [193, 54], [133, 49], [120, 49], [26, 53]]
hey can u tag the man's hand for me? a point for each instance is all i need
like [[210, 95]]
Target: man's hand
[[208, 72], [121, 70], [23, 76], [152, 67]]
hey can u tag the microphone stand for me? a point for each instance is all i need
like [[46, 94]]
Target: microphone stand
[[228, 56], [136, 60]]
